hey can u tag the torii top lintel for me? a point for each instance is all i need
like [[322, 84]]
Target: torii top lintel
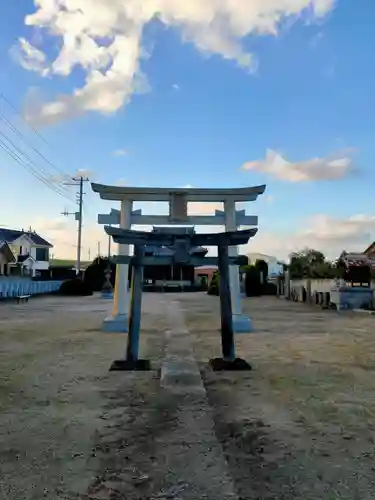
[[119, 193]]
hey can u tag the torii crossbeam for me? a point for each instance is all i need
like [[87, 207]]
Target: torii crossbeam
[[182, 245]]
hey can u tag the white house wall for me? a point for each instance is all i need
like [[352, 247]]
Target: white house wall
[[39, 265], [21, 241], [28, 247], [3, 262]]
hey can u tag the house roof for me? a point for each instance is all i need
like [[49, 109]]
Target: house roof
[[10, 235], [356, 259], [6, 250], [370, 248]]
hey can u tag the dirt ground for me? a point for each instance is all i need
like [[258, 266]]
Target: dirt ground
[[69, 428], [300, 425]]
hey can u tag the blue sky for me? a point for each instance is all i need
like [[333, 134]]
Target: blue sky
[[195, 110]]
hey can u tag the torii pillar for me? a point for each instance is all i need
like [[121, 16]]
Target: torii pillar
[[241, 323], [119, 319]]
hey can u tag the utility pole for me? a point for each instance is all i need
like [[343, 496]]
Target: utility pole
[[98, 248], [78, 181]]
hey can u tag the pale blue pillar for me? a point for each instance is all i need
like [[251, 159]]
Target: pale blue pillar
[[118, 320], [241, 323]]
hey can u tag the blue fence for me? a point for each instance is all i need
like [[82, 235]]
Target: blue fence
[[17, 287]]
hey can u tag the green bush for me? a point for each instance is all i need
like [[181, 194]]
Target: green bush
[[95, 274], [269, 288], [253, 285], [203, 283], [75, 287], [262, 267], [213, 288]]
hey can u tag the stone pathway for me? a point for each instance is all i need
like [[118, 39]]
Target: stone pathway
[[196, 465]]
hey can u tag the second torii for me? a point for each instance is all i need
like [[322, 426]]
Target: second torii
[[181, 244]]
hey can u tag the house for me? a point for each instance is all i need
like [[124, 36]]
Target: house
[[205, 272], [370, 252], [366, 257], [171, 274], [275, 267], [23, 253]]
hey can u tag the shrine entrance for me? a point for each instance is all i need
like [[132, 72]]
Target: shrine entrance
[[178, 199], [181, 246]]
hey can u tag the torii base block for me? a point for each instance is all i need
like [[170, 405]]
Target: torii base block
[[116, 324], [237, 365], [242, 324], [127, 365]]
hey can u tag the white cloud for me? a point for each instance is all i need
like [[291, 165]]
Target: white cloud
[[105, 40], [202, 208], [120, 152], [175, 86], [62, 233], [84, 172], [316, 39], [50, 225], [269, 198], [29, 57], [322, 232], [332, 167]]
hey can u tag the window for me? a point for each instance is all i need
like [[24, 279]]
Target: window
[[42, 254]]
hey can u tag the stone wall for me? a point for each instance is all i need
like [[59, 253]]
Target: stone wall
[[311, 287]]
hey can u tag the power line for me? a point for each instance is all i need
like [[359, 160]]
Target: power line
[[32, 171], [40, 172], [16, 131], [26, 162], [2, 96]]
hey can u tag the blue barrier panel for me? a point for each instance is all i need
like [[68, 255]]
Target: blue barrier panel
[[13, 287]]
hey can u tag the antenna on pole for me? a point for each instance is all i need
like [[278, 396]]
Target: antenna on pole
[[78, 181]]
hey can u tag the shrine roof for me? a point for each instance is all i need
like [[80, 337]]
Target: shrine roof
[[156, 251], [174, 229], [119, 193]]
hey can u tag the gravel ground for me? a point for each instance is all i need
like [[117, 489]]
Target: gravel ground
[[64, 418], [299, 426]]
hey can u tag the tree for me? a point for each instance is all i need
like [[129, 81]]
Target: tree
[[262, 267], [95, 273], [308, 263], [213, 288], [253, 286]]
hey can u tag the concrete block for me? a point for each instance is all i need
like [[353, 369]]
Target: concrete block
[[242, 324], [116, 324]]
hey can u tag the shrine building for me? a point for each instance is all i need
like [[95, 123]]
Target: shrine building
[[175, 274]]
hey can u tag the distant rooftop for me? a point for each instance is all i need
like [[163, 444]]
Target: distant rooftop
[[10, 235]]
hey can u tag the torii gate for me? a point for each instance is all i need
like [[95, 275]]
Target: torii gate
[[181, 245], [178, 199]]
